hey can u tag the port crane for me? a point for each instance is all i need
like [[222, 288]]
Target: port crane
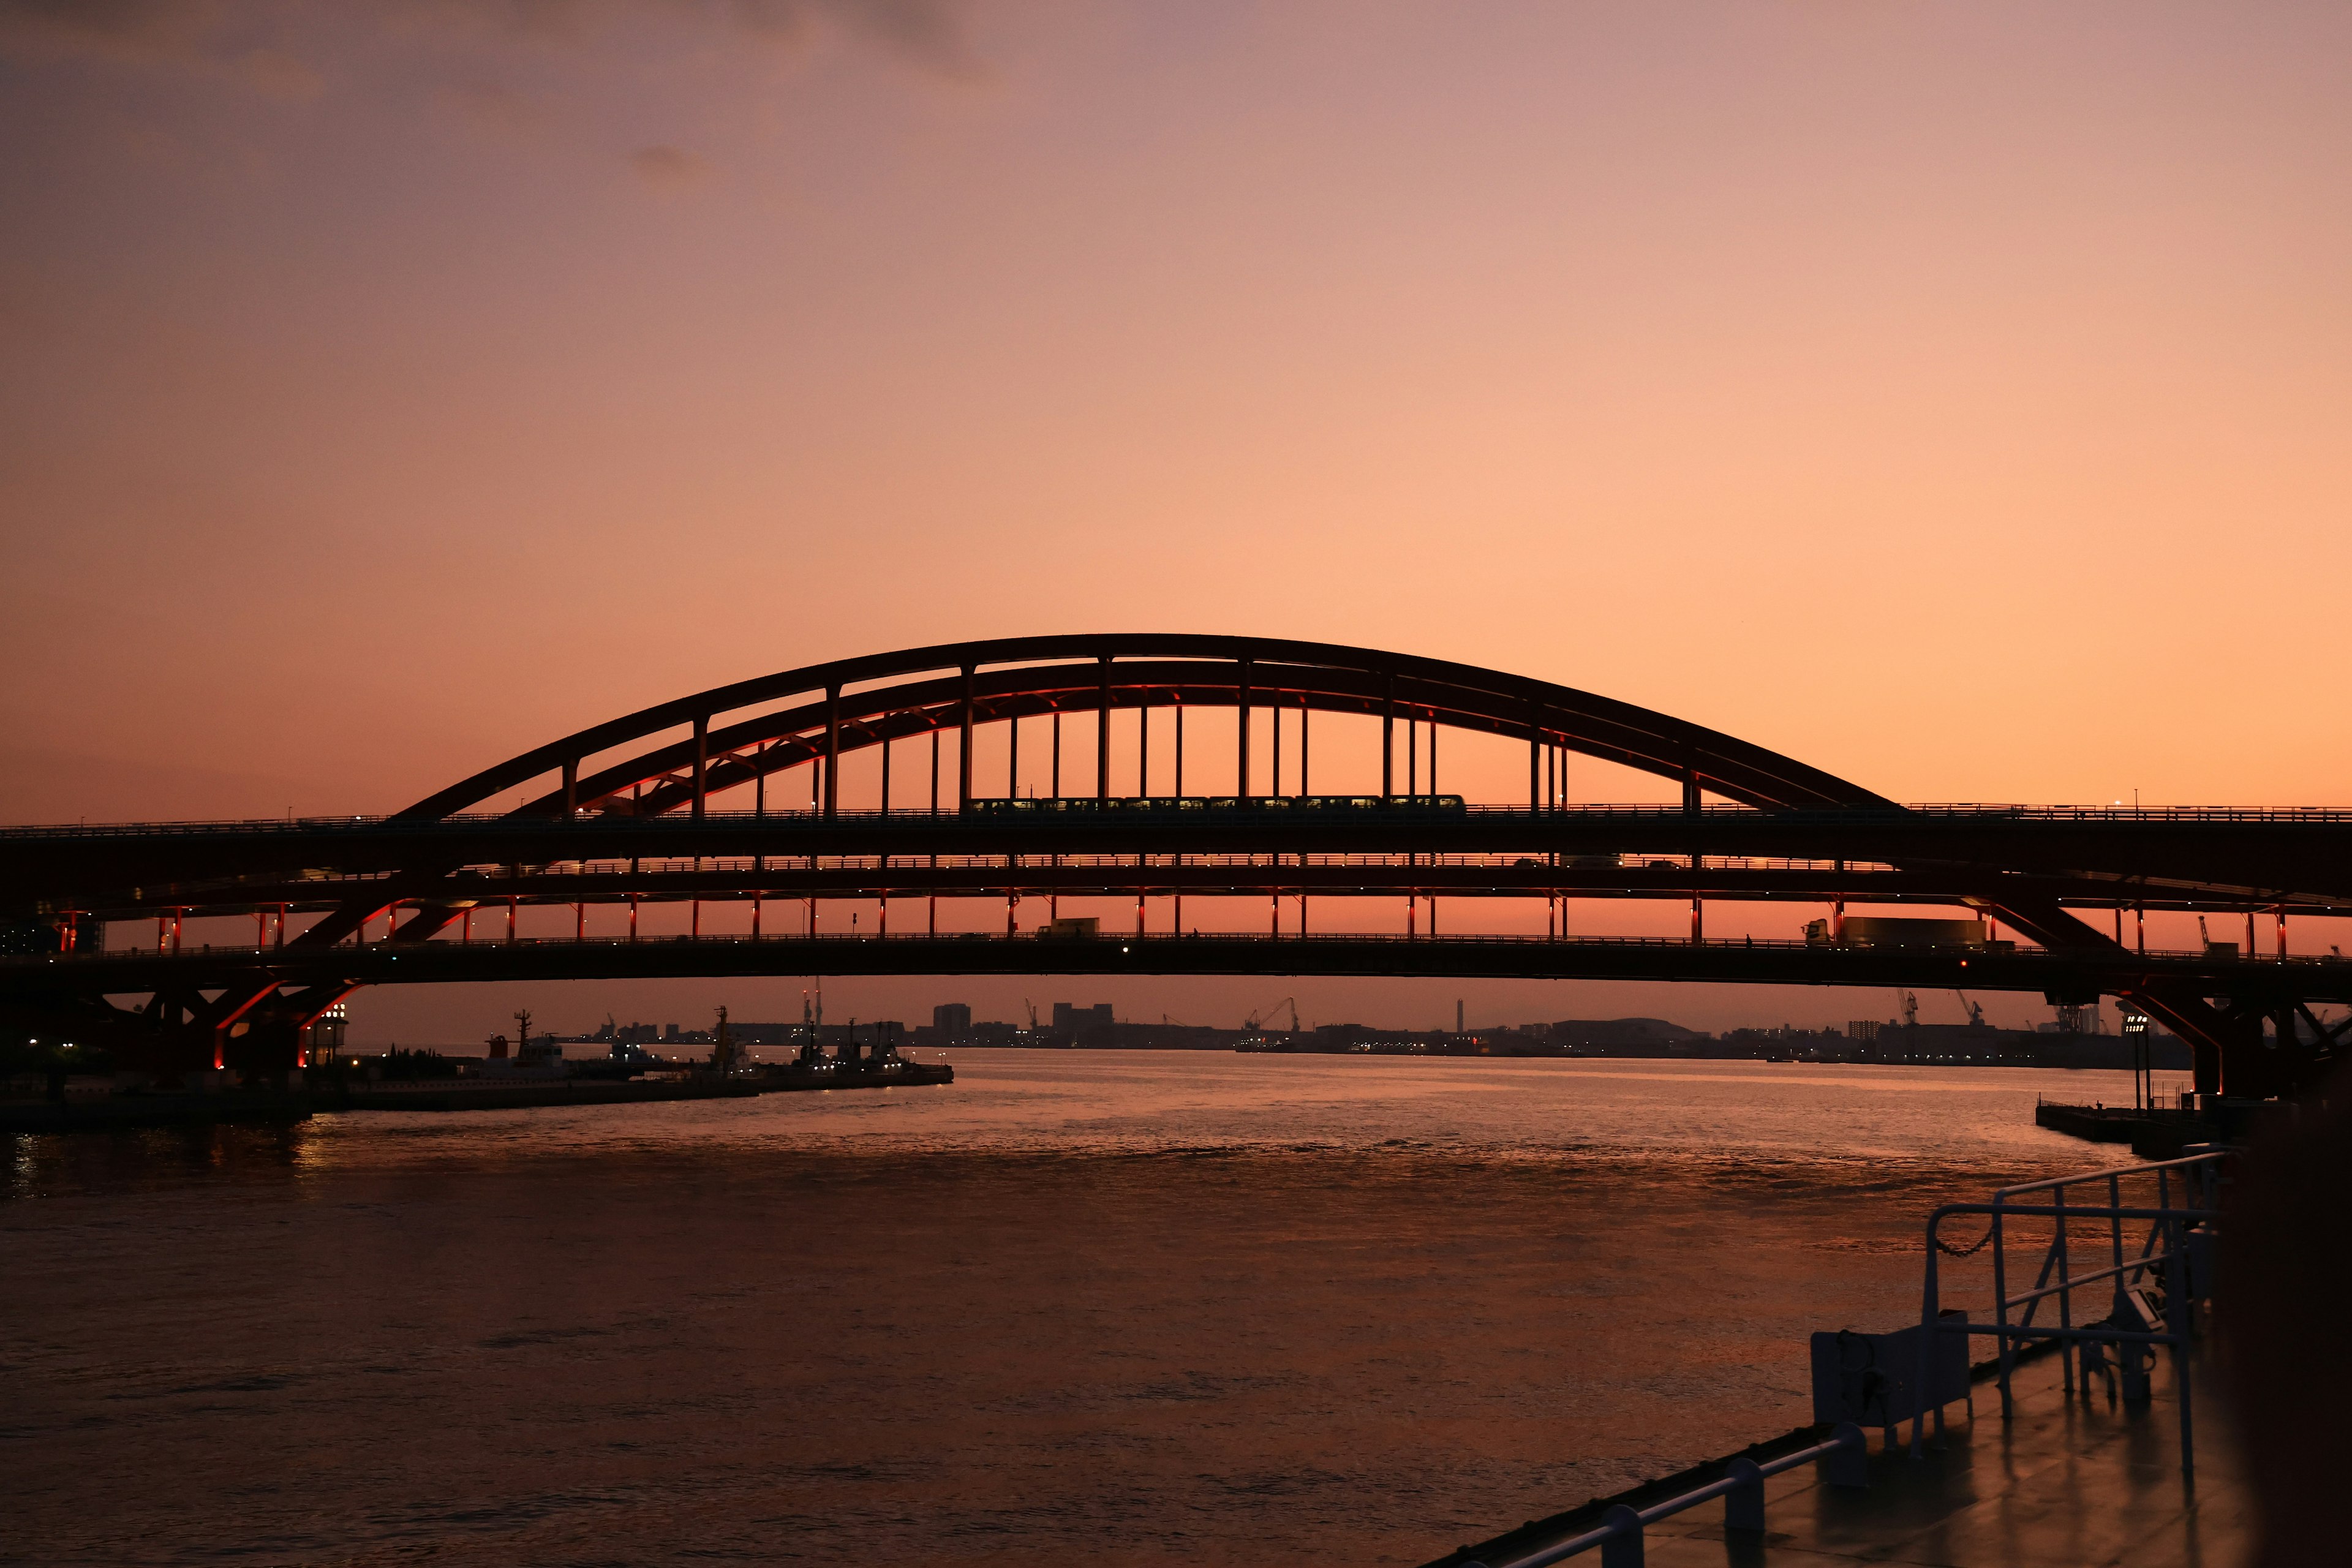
[[1975, 1009], [1289, 1002]]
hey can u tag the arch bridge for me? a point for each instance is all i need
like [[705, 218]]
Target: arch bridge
[[739, 800]]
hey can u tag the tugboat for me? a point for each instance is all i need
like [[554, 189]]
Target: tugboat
[[848, 1066]]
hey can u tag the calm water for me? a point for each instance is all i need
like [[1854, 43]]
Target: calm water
[[1106, 1307]]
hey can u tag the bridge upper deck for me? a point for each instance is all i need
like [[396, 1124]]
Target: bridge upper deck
[[2225, 857]]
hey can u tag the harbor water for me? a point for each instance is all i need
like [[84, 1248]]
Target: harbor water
[[1118, 1307]]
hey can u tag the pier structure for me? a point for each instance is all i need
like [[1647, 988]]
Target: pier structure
[[740, 799], [2073, 1444]]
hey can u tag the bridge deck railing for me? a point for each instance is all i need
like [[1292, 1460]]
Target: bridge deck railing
[[1971, 811], [85, 954]]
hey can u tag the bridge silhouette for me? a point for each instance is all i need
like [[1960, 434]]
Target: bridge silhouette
[[734, 798]]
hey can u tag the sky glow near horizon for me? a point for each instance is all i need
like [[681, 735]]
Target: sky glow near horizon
[[1954, 398]]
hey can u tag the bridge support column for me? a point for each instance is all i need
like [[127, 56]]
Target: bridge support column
[[2245, 1066], [1388, 739], [963, 751], [1304, 786], [831, 757], [1242, 706], [702, 762]]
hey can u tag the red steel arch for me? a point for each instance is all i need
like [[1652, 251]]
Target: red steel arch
[[818, 715], [821, 713]]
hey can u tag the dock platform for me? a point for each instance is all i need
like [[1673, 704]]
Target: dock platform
[[2063, 1483]]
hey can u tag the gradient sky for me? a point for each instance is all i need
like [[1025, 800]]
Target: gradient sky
[[1955, 397]]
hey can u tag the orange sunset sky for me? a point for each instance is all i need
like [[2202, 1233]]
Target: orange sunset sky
[[1957, 397]]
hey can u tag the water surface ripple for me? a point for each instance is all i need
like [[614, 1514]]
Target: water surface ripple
[[1136, 1307]]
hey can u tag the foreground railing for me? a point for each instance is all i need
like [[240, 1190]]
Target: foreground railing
[[2151, 1286], [1844, 1457]]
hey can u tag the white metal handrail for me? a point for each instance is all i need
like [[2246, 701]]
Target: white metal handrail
[[1741, 1488], [2165, 1253]]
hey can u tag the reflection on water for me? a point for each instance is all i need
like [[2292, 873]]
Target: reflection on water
[[1132, 1307]]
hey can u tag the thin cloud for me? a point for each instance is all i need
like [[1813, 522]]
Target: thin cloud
[[498, 111], [255, 42], [667, 168], [201, 36], [926, 32], [173, 31]]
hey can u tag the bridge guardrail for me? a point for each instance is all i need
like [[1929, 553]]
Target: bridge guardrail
[[1777, 944], [1969, 811]]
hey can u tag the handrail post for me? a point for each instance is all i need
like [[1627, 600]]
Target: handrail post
[[2065, 1294], [1849, 1466], [2163, 1201], [1623, 1547], [1743, 1505], [2000, 1307], [1927, 1316], [2115, 1235], [2178, 1309]]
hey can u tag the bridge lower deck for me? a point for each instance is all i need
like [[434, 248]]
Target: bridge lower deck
[[2065, 1483]]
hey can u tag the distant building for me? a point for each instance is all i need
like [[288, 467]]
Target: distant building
[[1071, 1019], [952, 1019], [1624, 1038]]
